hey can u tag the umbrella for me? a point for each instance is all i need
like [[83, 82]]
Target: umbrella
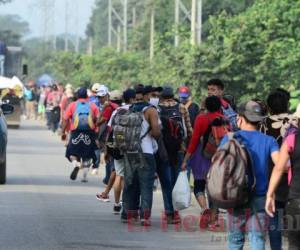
[[44, 80]]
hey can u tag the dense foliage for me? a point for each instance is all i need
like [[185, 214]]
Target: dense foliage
[[252, 49]]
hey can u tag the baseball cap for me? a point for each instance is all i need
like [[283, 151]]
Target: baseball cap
[[115, 95], [167, 92], [183, 92], [102, 91], [82, 92], [252, 111], [147, 89], [95, 88], [128, 94]]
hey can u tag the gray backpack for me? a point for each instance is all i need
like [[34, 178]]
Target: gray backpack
[[231, 180], [127, 131]]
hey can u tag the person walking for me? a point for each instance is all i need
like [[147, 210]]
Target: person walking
[[289, 150], [82, 116], [252, 218], [276, 125], [176, 128], [195, 157]]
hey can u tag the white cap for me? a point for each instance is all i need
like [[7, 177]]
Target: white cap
[[102, 91], [95, 87], [115, 95]]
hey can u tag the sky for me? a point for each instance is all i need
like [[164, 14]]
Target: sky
[[31, 11]]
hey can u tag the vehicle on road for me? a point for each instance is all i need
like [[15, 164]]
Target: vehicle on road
[[14, 96], [5, 109]]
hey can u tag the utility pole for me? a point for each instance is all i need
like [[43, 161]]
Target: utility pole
[[193, 22], [152, 30], [109, 21], [125, 3], [119, 42], [122, 20], [180, 8], [199, 22], [66, 25], [177, 19], [77, 26]]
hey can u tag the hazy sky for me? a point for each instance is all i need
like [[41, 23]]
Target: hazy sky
[[31, 11]]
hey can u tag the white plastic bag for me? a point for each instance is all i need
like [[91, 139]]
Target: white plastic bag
[[181, 194]]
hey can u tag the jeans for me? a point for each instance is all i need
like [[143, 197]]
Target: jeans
[[293, 216], [109, 168], [98, 157], [168, 175], [251, 220], [275, 227], [140, 185]]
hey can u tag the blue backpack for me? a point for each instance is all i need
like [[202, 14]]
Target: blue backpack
[[231, 115], [82, 117]]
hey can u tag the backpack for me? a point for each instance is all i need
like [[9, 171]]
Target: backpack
[[82, 117], [217, 129], [231, 180], [28, 94], [231, 115], [127, 130], [172, 130]]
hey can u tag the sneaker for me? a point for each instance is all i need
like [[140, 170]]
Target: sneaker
[[205, 218], [74, 173], [145, 222], [102, 197], [172, 219], [95, 171], [215, 227], [117, 208]]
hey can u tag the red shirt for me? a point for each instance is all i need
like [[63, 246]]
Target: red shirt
[[108, 110], [68, 115], [201, 125]]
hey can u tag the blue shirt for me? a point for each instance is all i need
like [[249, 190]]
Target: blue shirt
[[95, 99], [260, 147]]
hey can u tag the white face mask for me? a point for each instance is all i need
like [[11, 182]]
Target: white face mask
[[154, 101]]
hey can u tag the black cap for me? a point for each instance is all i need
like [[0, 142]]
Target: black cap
[[82, 93], [148, 89], [167, 91], [128, 94], [252, 111]]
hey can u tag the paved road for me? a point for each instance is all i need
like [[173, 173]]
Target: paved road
[[40, 208]]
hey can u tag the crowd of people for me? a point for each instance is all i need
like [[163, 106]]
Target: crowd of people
[[147, 133]]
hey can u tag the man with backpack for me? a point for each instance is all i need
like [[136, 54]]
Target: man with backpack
[[112, 105], [238, 178], [82, 116], [118, 158], [134, 134], [176, 128], [185, 98], [216, 87], [106, 109], [276, 125]]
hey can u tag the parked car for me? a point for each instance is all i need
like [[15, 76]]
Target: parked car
[[14, 119], [5, 109]]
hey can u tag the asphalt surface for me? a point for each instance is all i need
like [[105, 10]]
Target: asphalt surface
[[41, 208]]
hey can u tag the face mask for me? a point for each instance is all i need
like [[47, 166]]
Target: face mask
[[154, 101]]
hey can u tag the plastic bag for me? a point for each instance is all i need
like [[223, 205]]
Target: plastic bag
[[181, 194]]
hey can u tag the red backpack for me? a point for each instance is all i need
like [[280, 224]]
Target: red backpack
[[217, 129]]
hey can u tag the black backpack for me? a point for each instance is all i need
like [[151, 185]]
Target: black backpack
[[172, 130]]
